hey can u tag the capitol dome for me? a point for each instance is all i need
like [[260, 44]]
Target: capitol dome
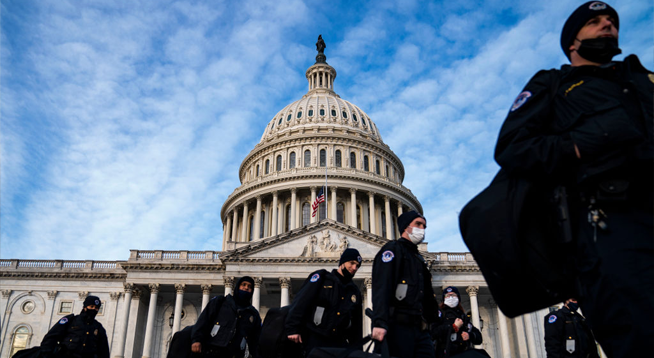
[[316, 139]]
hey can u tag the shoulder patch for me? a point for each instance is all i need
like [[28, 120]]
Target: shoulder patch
[[315, 277], [520, 100], [440, 314], [63, 320], [552, 319], [387, 256]]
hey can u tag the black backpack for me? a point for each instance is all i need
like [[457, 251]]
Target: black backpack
[[273, 342]]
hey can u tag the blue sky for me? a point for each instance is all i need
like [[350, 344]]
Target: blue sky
[[123, 123]]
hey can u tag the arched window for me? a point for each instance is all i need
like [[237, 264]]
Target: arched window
[[20, 340], [307, 158], [366, 164], [340, 209], [257, 169], [288, 218], [306, 214], [251, 236], [322, 112], [323, 211], [337, 158], [291, 160], [333, 113], [344, 114], [279, 162], [311, 113], [263, 220], [383, 223], [323, 158], [267, 166], [377, 167], [353, 160]]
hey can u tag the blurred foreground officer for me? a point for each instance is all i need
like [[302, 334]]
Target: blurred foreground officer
[[228, 325], [588, 127], [327, 310], [77, 336], [402, 296], [455, 334], [567, 334]]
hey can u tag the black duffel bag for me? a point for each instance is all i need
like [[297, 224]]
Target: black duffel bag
[[518, 231], [324, 352]]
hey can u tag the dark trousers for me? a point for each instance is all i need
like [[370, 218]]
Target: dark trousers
[[617, 279], [408, 341]]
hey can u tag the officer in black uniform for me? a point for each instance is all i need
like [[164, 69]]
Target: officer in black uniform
[[588, 127], [567, 334], [403, 299], [455, 334], [77, 336], [228, 324], [327, 310]]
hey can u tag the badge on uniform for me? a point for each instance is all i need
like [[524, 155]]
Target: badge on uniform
[[520, 100], [315, 277], [95, 332], [552, 319], [388, 256], [597, 5], [251, 319], [63, 320], [354, 299]]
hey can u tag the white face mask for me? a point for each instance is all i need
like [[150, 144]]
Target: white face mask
[[451, 301], [417, 235]]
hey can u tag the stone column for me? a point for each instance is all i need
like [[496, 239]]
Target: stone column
[[244, 229], [179, 303], [473, 291], [353, 207], [529, 331], [293, 208], [399, 212], [256, 294], [285, 282], [389, 226], [333, 203], [371, 207], [228, 229], [257, 220], [235, 225], [273, 219], [368, 304], [52, 295], [229, 285], [206, 293], [120, 347], [313, 199], [504, 332], [149, 328], [519, 337]]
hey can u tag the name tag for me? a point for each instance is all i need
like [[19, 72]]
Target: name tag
[[215, 329]]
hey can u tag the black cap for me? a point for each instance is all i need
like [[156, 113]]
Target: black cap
[[580, 17], [245, 279], [407, 218], [350, 255], [449, 289], [92, 300]]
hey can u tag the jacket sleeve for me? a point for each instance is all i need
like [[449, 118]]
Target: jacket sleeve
[[525, 145], [206, 320], [56, 334], [554, 336], [103, 345], [355, 332], [305, 299], [430, 303], [383, 284], [253, 337], [475, 336]]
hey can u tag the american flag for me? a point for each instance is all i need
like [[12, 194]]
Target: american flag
[[319, 199]]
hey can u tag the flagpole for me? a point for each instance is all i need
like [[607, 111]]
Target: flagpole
[[326, 195]]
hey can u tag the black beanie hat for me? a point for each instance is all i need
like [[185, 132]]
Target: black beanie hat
[[449, 289], [350, 255], [245, 279], [405, 219], [92, 300], [580, 17]]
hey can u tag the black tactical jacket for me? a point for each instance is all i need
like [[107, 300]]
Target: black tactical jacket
[[566, 330], [339, 302], [77, 335], [449, 341], [399, 263]]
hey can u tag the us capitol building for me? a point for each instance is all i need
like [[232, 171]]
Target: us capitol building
[[269, 234]]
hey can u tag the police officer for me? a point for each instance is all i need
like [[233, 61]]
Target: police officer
[[228, 324], [327, 310], [455, 334], [588, 127], [402, 296], [77, 336], [567, 334]]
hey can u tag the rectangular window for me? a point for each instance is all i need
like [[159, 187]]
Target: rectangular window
[[66, 307]]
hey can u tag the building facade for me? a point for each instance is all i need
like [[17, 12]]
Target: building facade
[[269, 233]]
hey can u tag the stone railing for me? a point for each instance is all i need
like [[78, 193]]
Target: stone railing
[[453, 258], [58, 264], [174, 256]]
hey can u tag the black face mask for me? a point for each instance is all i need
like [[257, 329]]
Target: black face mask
[[89, 314], [599, 50], [243, 297], [572, 306], [346, 274]]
